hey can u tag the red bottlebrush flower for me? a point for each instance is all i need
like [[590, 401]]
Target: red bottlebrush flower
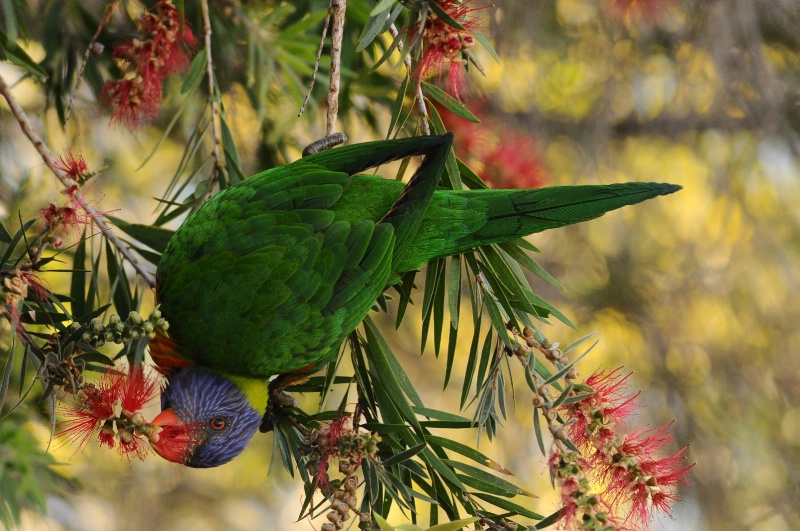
[[106, 436], [514, 163], [35, 283], [647, 11], [635, 474], [87, 410], [594, 418], [132, 445], [163, 52], [62, 220], [135, 101], [137, 389], [443, 46], [73, 165]]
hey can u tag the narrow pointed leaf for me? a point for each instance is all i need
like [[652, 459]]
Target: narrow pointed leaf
[[450, 103]]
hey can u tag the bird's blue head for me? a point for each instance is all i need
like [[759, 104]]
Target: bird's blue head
[[206, 420]]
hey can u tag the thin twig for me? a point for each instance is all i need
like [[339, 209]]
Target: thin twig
[[337, 34], [423, 109], [316, 63], [50, 162], [219, 163], [89, 49]]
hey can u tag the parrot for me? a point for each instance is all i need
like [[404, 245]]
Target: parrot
[[269, 276]]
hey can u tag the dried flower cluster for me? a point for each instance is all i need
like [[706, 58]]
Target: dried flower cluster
[[445, 49], [636, 482], [167, 44], [339, 441]]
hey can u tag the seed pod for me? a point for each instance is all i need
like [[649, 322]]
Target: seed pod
[[340, 507], [135, 318], [113, 319], [327, 527], [345, 467], [333, 516]]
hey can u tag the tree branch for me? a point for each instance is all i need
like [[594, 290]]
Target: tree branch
[[337, 34], [89, 50], [50, 162], [219, 163], [423, 109]]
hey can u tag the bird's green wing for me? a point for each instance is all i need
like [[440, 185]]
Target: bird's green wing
[[260, 280], [268, 277]]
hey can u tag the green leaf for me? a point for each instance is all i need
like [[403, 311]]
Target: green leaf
[[560, 374], [450, 103], [454, 525], [529, 263], [404, 455], [383, 371], [509, 506], [15, 240], [121, 290], [7, 375], [485, 43], [439, 415], [10, 51], [231, 154], [563, 396], [468, 452], [454, 289], [195, 73], [471, 362], [378, 21], [537, 428], [382, 6], [5, 237], [489, 478], [382, 524], [433, 279], [445, 16], [77, 290], [393, 364], [580, 341], [469, 177], [397, 107], [154, 237], [550, 520], [452, 176]]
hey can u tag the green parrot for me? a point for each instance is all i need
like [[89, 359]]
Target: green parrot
[[270, 276]]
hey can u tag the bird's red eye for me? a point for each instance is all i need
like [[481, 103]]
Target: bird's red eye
[[218, 423]]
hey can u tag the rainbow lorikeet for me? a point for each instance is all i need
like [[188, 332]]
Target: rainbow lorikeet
[[271, 275]]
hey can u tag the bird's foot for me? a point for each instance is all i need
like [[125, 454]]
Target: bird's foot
[[279, 399]]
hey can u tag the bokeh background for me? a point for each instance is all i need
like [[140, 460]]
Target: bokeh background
[[694, 293]]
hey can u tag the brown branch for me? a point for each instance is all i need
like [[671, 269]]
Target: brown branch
[[337, 34], [316, 63], [423, 109], [89, 49], [50, 162], [219, 163]]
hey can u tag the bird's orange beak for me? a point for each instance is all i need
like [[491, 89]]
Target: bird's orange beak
[[172, 439]]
